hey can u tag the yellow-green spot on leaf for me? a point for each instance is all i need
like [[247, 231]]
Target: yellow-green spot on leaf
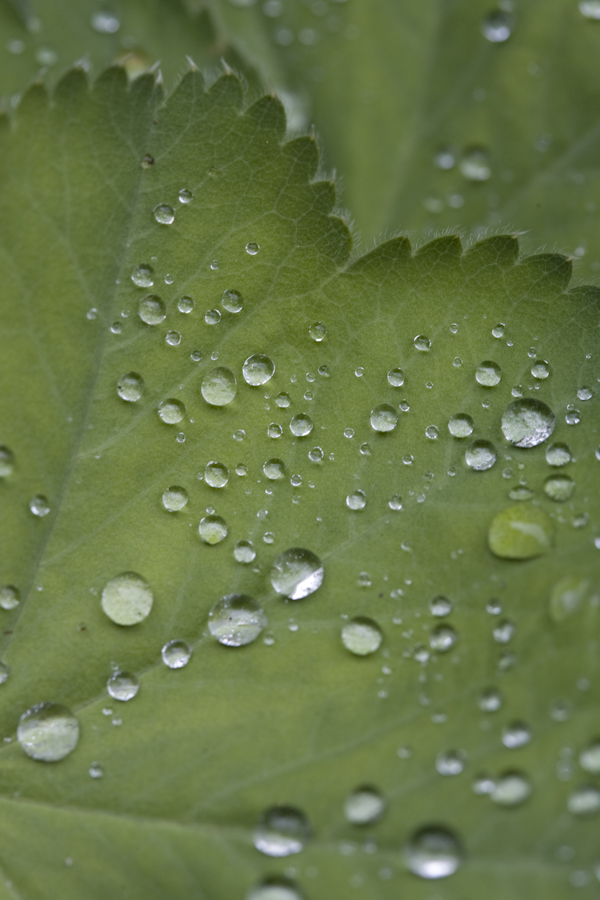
[[520, 532], [567, 596]]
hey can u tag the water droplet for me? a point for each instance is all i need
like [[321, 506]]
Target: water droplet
[[443, 638], [348, 432], [216, 474], [559, 488], [152, 310], [490, 700], [232, 301], [301, 425], [498, 330], [143, 276], [171, 411], [317, 331], [475, 164], [39, 506], [356, 500], [480, 456], [281, 831], [274, 889], [296, 573], [364, 806], [7, 461], [520, 532], [274, 469], [130, 387], [359, 372], [590, 9], [566, 596], [147, 163], [173, 338], [432, 432], [252, 248], [488, 373], [105, 22], [440, 606], [558, 454], [96, 770], [444, 158], [283, 400], [497, 27], [9, 596], [504, 631], [422, 343], [274, 430], [185, 305], [244, 552], [122, 686], [461, 425], [236, 620], [540, 369], [395, 377], [511, 789], [176, 654], [174, 498], [516, 735], [213, 529], [258, 369], [4, 672], [451, 762], [48, 732], [212, 316], [433, 852], [219, 386], [584, 801], [573, 416], [362, 636], [589, 759], [127, 599], [527, 422], [584, 393], [384, 418], [396, 502], [164, 214]]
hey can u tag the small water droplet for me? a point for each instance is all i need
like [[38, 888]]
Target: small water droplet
[[461, 425], [152, 310], [122, 686], [232, 301], [274, 430], [174, 498], [48, 732], [185, 305], [258, 369], [252, 248], [274, 469], [490, 700], [236, 620], [219, 386], [281, 831], [105, 22], [39, 506], [511, 789], [422, 343], [244, 552], [450, 762], [497, 27], [396, 502], [504, 631], [361, 636], [516, 735], [559, 488], [558, 454], [589, 759], [127, 599], [480, 456], [171, 411], [216, 474], [317, 331], [143, 276], [527, 422], [283, 400], [130, 387], [584, 801], [164, 214], [498, 330], [444, 158], [440, 606], [296, 573], [443, 638], [590, 9], [573, 416], [540, 369], [9, 596], [475, 164], [488, 373], [356, 500], [274, 889], [433, 852], [432, 432], [176, 654], [96, 770], [213, 529], [395, 377], [383, 418], [520, 532], [364, 806], [7, 461], [212, 316], [300, 425], [185, 196], [173, 338]]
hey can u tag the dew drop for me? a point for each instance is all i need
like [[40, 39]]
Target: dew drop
[[283, 400], [383, 418], [584, 393], [480, 456], [432, 432], [396, 502], [127, 599], [296, 573], [395, 377], [185, 305], [356, 500], [96, 770], [590, 9], [176, 654], [497, 27], [490, 700], [559, 488], [516, 735], [527, 422], [171, 411], [216, 474], [444, 158], [152, 310], [475, 164], [422, 343], [443, 638], [39, 506], [252, 248], [258, 369], [274, 430], [143, 276], [48, 732], [511, 789], [558, 454], [317, 331], [364, 806], [584, 801], [7, 461], [433, 852], [232, 301], [213, 529], [300, 425], [281, 831], [122, 686], [9, 597], [573, 416], [174, 498], [274, 469], [520, 532], [461, 425], [589, 759], [236, 620], [164, 214], [316, 454], [130, 387], [488, 373], [244, 552], [274, 889], [451, 762], [440, 606], [566, 596], [498, 330], [361, 636], [219, 386], [212, 316], [540, 369], [105, 22]]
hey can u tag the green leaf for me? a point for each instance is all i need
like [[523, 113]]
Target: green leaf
[[192, 761]]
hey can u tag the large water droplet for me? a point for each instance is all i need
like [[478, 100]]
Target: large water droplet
[[39, 506], [274, 889], [527, 422], [384, 418], [219, 386], [300, 425], [152, 310], [274, 469], [488, 373], [176, 654], [361, 636], [589, 759], [7, 461], [122, 686], [520, 532], [584, 801], [258, 369], [296, 573], [174, 498], [356, 500], [171, 411], [590, 9], [48, 732], [511, 789], [213, 529], [236, 620], [127, 599], [143, 276], [281, 831], [480, 455], [475, 164], [130, 387], [216, 474], [433, 852], [559, 488], [9, 597], [364, 806], [232, 301], [443, 638], [497, 26], [164, 214]]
